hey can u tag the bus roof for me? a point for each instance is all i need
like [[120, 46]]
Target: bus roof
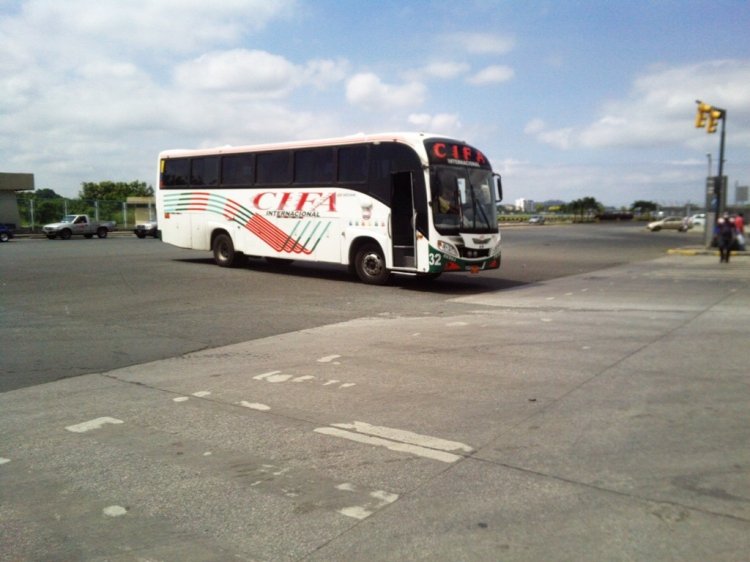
[[410, 138]]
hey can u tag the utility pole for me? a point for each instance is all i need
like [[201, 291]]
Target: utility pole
[[709, 116]]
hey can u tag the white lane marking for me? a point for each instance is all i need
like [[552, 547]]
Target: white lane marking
[[264, 375], [255, 406], [201, 393], [451, 324], [4, 460], [384, 497], [356, 512], [348, 384], [333, 381], [391, 445], [114, 511], [180, 399], [405, 436], [345, 486], [92, 424], [363, 511], [303, 378], [328, 358]]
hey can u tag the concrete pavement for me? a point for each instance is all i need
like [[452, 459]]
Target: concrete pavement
[[604, 416]]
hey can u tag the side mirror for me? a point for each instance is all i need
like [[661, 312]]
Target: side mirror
[[498, 188]]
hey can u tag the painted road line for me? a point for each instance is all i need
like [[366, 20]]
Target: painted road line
[[405, 436], [4, 460], [255, 406], [328, 358], [391, 445], [381, 497], [92, 424]]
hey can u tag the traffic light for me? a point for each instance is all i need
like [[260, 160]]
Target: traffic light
[[700, 118], [713, 120]]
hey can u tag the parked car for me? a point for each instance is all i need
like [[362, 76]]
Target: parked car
[[536, 219], [77, 224], [669, 223], [6, 233], [147, 228], [697, 220]]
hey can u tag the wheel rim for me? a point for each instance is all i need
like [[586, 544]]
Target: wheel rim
[[372, 264]]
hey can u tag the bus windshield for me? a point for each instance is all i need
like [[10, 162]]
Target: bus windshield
[[463, 200]]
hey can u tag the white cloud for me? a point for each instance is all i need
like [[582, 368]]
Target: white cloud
[[368, 91], [660, 109], [157, 26], [254, 73], [443, 70], [446, 123], [482, 43], [492, 75], [322, 73]]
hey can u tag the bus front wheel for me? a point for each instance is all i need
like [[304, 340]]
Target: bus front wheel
[[369, 264], [224, 253]]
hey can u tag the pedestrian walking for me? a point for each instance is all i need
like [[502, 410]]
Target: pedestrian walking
[[739, 226], [726, 237]]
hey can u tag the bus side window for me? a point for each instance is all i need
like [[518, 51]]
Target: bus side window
[[274, 167], [204, 171], [176, 172], [313, 166], [237, 169], [352, 164]]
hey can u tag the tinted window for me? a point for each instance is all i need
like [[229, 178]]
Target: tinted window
[[204, 171], [237, 169], [176, 172], [353, 164], [313, 166], [387, 159], [273, 167]]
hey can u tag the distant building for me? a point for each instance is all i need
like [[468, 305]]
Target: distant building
[[525, 205], [9, 185]]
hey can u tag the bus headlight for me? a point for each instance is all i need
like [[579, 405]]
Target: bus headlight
[[448, 248]]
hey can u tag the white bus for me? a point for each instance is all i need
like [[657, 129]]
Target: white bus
[[404, 203]]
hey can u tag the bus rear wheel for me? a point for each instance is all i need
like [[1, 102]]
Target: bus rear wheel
[[369, 264], [224, 253]]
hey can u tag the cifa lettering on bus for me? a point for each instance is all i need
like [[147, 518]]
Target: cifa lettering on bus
[[445, 151], [295, 201]]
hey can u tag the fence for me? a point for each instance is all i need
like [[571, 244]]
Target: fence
[[36, 212]]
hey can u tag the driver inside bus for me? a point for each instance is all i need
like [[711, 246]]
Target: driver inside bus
[[447, 204]]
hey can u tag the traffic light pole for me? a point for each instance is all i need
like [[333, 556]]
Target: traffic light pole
[[708, 116]]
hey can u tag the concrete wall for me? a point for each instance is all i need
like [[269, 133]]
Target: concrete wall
[[9, 185]]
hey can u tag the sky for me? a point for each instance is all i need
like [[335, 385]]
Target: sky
[[568, 99]]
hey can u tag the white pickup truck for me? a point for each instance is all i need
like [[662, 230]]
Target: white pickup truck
[[77, 224]]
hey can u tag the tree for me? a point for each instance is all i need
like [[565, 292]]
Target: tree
[[586, 206], [644, 207], [115, 191]]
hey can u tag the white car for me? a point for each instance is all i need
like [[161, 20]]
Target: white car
[[669, 223], [698, 220]]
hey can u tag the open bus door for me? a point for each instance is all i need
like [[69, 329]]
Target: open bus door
[[403, 218]]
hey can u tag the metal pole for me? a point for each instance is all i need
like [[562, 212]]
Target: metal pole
[[720, 186], [708, 155]]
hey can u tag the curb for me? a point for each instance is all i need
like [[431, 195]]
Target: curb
[[703, 252]]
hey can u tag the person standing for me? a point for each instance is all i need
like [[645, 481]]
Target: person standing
[[739, 226], [726, 235]]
